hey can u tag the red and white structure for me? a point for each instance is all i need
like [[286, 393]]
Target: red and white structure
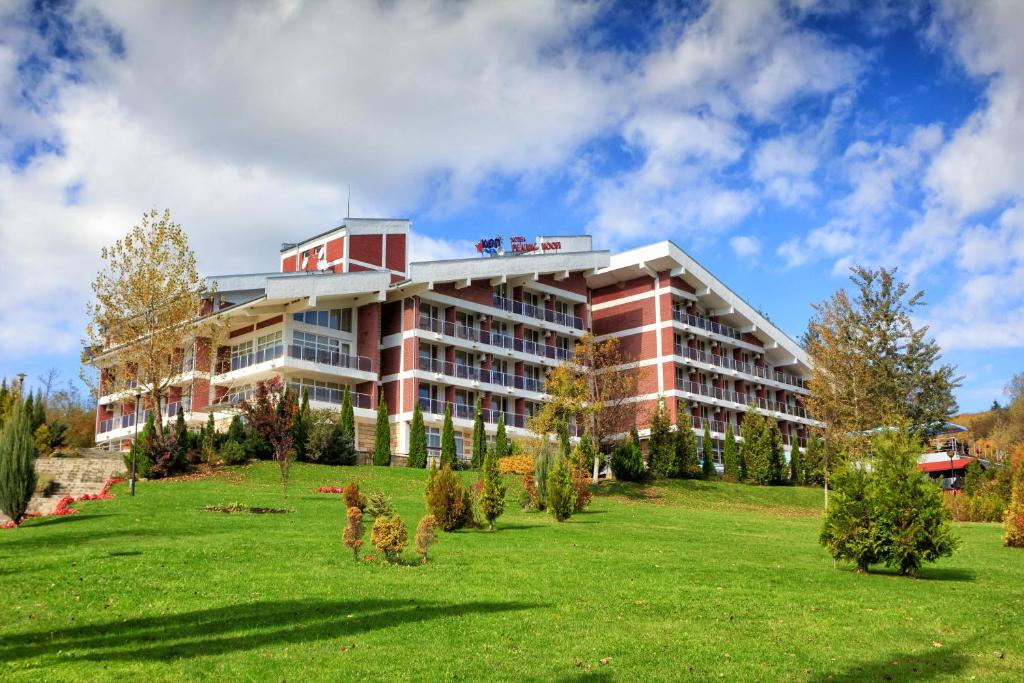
[[348, 309]]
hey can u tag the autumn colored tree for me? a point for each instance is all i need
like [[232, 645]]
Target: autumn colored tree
[[271, 414], [596, 385], [872, 366], [1014, 516], [148, 294], [353, 534]]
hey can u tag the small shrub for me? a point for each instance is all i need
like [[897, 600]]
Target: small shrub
[[528, 494], [353, 498], [389, 536], [232, 453], [628, 462], [445, 498], [516, 464], [380, 505], [561, 491], [353, 534], [581, 483], [426, 535]]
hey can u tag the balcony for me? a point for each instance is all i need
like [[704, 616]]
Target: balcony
[[332, 358], [172, 409], [537, 312], [705, 324], [334, 396], [739, 366], [503, 341], [475, 374], [468, 412], [718, 426], [255, 358], [742, 399]]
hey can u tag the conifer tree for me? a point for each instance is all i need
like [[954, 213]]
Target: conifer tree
[[17, 463], [910, 524], [541, 468], [382, 442], [756, 447], [501, 444], [301, 428], [417, 440], [563, 438], [479, 436], [208, 440], [661, 444], [560, 491], [448, 439], [796, 462], [38, 412], [492, 494], [182, 441], [687, 461], [814, 461], [708, 456], [730, 456], [348, 416], [847, 530], [776, 455]]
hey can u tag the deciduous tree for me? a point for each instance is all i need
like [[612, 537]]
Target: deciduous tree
[[148, 294], [271, 413]]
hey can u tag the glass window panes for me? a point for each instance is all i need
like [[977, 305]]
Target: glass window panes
[[433, 438], [334, 318]]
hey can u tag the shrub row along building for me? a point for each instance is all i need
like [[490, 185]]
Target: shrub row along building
[[348, 309]]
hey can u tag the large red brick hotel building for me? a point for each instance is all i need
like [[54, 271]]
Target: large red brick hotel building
[[348, 308]]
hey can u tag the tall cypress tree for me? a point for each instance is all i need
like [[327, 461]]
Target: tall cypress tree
[[563, 439], [38, 412], [730, 456], [348, 417], [301, 427], [181, 442], [382, 442], [776, 455], [17, 463], [417, 440], [501, 444], [492, 494], [686, 458], [661, 445], [708, 456], [479, 436], [448, 439], [796, 462]]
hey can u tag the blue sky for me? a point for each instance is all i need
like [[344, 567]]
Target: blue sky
[[777, 142]]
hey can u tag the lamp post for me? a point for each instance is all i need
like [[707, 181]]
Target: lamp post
[[952, 476], [21, 382], [135, 442]]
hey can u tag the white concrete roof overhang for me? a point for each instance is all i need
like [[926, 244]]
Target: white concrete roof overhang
[[729, 307], [505, 267]]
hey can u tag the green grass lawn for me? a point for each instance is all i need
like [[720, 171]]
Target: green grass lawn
[[672, 581]]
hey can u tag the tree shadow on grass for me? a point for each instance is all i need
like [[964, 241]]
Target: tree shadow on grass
[[221, 630], [926, 574], [627, 489], [82, 538], [904, 667]]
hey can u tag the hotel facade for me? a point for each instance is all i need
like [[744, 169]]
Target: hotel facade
[[347, 308]]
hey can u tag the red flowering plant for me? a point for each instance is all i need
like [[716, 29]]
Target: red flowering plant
[[64, 504], [330, 489]]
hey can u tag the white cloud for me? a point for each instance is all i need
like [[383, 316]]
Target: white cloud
[[745, 246]]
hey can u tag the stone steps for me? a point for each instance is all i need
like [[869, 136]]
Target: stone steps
[[74, 477]]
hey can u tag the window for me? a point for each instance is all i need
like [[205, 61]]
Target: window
[[239, 393], [460, 446], [319, 390], [334, 318], [268, 346], [319, 348], [433, 440]]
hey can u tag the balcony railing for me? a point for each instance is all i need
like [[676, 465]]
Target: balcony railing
[[719, 426], [504, 341], [470, 372], [333, 396], [705, 324], [171, 409], [538, 312], [468, 412], [333, 358], [248, 359], [742, 399], [740, 366]]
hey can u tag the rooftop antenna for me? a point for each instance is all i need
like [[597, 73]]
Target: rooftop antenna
[[348, 206]]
